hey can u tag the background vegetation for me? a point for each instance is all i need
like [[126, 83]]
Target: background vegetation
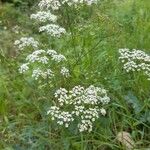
[[93, 59]]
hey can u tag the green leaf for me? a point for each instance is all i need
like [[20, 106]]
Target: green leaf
[[134, 102]]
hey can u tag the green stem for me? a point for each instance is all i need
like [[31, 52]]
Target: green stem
[[82, 142]]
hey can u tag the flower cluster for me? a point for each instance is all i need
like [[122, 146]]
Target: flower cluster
[[43, 57], [56, 4], [26, 42], [53, 4], [53, 30], [44, 16], [65, 72], [82, 104], [62, 117], [135, 60]]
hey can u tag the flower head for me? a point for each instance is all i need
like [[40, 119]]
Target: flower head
[[83, 104], [135, 60]]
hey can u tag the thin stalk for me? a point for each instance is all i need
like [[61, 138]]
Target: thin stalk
[[82, 142]]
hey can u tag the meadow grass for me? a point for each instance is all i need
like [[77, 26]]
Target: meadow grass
[[92, 52]]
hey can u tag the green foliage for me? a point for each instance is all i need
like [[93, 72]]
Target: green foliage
[[23, 4], [92, 54]]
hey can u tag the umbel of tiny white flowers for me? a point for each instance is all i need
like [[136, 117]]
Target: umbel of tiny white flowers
[[26, 42], [82, 104], [53, 30], [43, 57], [65, 72], [135, 60], [44, 16], [56, 4]]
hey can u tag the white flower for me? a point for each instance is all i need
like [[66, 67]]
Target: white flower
[[62, 117], [36, 56], [40, 58], [38, 52], [135, 60], [83, 104], [77, 90], [65, 72], [44, 16], [105, 99], [51, 52], [53, 30], [25, 42], [47, 74], [23, 68], [103, 111], [86, 125], [37, 73], [40, 73], [55, 4], [58, 58], [43, 60], [61, 92]]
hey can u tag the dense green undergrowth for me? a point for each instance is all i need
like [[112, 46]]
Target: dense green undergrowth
[[92, 55]]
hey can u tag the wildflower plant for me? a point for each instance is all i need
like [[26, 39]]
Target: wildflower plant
[[84, 105], [135, 61], [81, 105], [40, 60], [73, 43], [45, 64]]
